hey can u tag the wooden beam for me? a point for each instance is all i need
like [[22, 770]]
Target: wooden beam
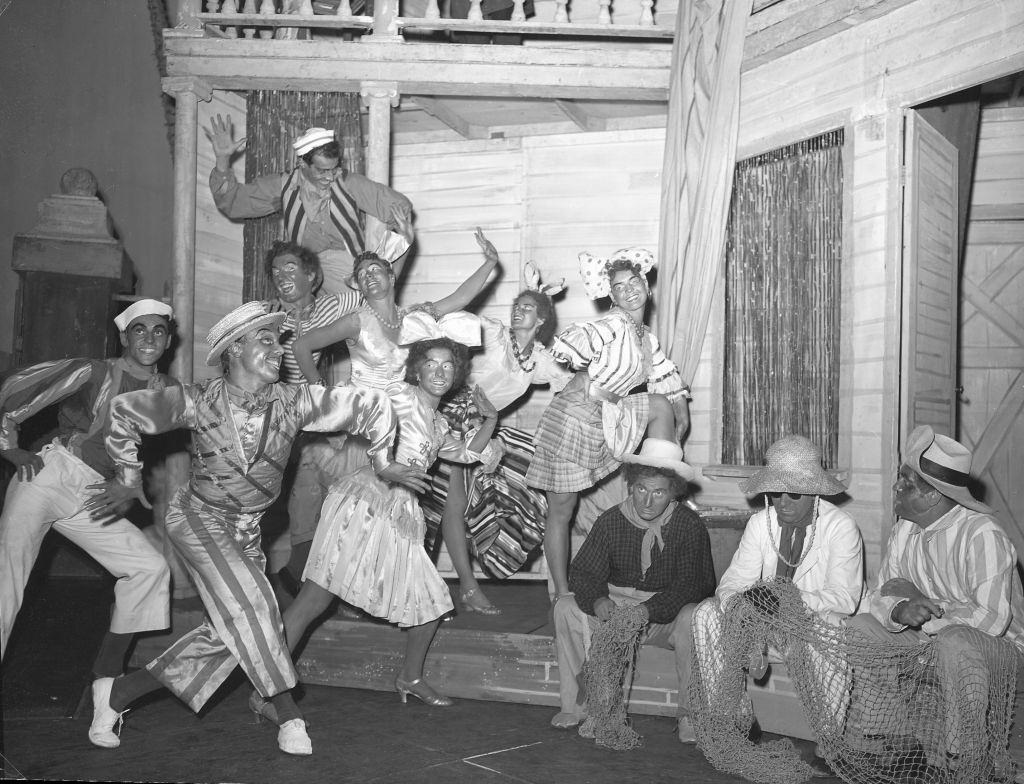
[[579, 115], [997, 212], [790, 26], [423, 69], [444, 112]]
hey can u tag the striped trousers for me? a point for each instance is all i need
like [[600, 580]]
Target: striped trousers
[[221, 552]]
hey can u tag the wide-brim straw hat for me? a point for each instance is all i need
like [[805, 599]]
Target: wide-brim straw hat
[[243, 319], [793, 465], [943, 463], [660, 453]]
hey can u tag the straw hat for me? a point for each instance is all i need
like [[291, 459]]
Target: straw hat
[[660, 453], [243, 319], [943, 463], [142, 307], [793, 466]]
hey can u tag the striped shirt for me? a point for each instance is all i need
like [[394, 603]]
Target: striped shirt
[[616, 358], [326, 309], [966, 563]]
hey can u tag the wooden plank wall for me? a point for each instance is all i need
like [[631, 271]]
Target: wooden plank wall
[[991, 318], [218, 240]]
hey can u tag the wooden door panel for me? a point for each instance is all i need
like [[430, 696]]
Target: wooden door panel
[[930, 279]]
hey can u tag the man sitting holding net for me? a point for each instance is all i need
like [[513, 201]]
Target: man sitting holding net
[[799, 553], [650, 552], [948, 598]]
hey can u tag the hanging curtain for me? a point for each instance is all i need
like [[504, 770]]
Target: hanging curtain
[[274, 118], [782, 300], [700, 150]]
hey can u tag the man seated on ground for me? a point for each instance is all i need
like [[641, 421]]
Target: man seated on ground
[[650, 550], [798, 537], [949, 575], [53, 485], [323, 206]]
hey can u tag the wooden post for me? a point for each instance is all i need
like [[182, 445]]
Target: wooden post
[[384, 25], [379, 98], [187, 92]]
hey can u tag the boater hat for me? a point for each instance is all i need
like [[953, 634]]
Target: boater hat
[[143, 307], [311, 139], [243, 319], [793, 466], [660, 453], [943, 463]]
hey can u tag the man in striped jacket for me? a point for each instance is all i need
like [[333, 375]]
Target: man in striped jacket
[[322, 205]]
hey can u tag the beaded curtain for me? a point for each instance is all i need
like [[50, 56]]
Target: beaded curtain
[[274, 118], [782, 300]]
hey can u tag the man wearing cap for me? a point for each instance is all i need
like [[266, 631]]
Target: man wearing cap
[[53, 485], [322, 206], [243, 426], [650, 550], [949, 572], [798, 537]]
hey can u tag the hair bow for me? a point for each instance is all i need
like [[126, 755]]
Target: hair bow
[[532, 280], [460, 326], [594, 270], [391, 246]]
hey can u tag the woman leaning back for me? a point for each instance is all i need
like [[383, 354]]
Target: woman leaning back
[[595, 421]]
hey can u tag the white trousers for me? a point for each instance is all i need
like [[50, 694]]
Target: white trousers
[[55, 498]]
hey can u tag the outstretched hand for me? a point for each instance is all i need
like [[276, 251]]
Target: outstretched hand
[[112, 499], [413, 477], [401, 223], [490, 252], [220, 134], [28, 463]]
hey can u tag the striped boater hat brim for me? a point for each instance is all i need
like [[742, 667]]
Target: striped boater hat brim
[[243, 319]]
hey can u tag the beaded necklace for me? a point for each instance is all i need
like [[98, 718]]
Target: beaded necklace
[[770, 510], [638, 328], [526, 361], [399, 313]]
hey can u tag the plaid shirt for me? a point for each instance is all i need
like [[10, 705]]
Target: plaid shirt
[[681, 573]]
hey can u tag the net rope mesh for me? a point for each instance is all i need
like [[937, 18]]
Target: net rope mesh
[[613, 647], [935, 712]]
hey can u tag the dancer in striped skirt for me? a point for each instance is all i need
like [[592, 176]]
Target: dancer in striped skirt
[[597, 420], [502, 516], [243, 426]]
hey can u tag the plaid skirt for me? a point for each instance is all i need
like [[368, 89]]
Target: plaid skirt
[[571, 452]]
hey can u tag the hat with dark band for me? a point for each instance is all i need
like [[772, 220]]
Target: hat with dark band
[[243, 319], [943, 463]]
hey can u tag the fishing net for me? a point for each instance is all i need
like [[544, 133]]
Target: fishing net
[[884, 712], [613, 647]]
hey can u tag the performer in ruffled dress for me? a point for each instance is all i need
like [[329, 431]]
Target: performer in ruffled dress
[[368, 548], [497, 510], [595, 421]]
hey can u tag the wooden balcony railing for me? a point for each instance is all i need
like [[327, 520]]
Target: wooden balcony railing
[[261, 19]]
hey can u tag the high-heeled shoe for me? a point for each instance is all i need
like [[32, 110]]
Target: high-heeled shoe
[[484, 609], [422, 691], [261, 708]]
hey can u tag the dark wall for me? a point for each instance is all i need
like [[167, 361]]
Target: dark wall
[[80, 87]]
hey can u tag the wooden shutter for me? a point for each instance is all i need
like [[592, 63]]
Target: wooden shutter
[[930, 276]]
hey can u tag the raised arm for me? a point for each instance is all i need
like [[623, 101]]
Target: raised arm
[[345, 328], [364, 412], [467, 292], [253, 199], [146, 412]]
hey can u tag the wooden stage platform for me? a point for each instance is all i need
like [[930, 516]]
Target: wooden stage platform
[[505, 658]]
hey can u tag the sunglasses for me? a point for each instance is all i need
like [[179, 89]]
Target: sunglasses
[[790, 496]]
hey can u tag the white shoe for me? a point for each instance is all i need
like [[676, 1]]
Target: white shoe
[[292, 738], [684, 729], [104, 718]]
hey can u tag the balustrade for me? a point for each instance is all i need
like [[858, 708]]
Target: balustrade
[[297, 19]]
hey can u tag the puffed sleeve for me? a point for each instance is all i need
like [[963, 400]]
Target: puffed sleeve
[[578, 344], [31, 389], [549, 371], [365, 412], [146, 412], [664, 378], [455, 448]]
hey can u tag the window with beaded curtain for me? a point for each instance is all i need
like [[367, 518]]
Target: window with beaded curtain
[[782, 300]]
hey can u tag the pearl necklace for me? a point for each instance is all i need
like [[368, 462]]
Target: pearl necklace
[[384, 322], [638, 328], [521, 358], [769, 510]]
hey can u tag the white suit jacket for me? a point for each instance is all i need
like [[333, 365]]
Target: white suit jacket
[[830, 578]]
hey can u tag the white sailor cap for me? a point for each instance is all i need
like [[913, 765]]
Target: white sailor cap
[[143, 307], [311, 139]]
